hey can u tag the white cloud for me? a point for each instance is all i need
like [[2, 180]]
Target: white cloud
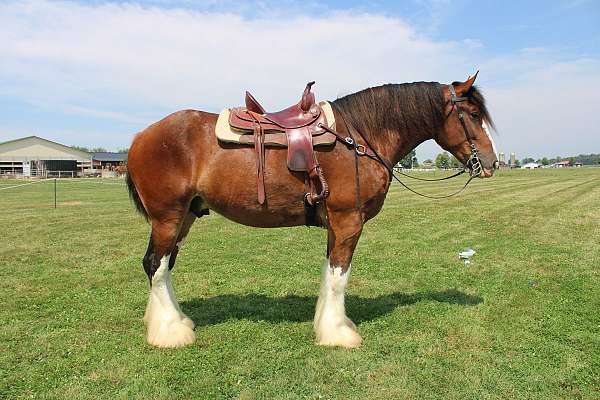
[[550, 110], [123, 62], [70, 51]]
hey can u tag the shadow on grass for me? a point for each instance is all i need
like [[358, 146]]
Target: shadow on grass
[[256, 307]]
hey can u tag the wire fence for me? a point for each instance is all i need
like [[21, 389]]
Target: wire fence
[[57, 186]]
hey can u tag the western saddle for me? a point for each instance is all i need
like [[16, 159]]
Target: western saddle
[[297, 127]]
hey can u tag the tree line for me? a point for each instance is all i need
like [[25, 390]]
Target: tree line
[[443, 160], [585, 159], [446, 160], [97, 149]]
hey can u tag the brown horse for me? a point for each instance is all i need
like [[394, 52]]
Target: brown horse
[[178, 171]]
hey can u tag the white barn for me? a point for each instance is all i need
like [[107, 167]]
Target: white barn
[[531, 165], [35, 156]]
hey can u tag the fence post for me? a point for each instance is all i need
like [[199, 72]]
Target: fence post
[[55, 193]]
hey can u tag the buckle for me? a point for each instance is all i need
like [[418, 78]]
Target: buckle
[[361, 152], [349, 140]]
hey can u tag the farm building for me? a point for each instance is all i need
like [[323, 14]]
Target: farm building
[[532, 165], [108, 160], [561, 164], [35, 156]]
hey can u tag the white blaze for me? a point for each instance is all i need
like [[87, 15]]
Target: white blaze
[[489, 135]]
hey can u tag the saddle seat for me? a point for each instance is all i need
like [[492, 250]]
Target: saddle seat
[[304, 113], [301, 114], [298, 127]]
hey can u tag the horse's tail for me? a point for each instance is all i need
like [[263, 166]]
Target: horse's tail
[[135, 196]]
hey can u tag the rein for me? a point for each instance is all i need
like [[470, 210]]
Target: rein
[[474, 163]]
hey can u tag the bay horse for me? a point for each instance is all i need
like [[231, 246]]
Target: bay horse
[[178, 171]]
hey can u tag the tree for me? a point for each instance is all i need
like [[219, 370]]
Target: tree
[[545, 161], [442, 160], [123, 150], [409, 160], [454, 163], [527, 160], [81, 148]]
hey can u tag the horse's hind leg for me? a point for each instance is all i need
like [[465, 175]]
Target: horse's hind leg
[[332, 326], [167, 325]]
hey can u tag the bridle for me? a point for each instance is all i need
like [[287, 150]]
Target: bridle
[[473, 163]]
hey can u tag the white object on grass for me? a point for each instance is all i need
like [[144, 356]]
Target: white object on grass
[[466, 254]]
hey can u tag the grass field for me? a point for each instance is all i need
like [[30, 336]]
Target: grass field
[[521, 321]]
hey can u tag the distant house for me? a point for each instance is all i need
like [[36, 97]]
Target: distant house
[[531, 165], [561, 164]]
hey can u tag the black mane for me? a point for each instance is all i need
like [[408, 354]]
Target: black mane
[[416, 109]]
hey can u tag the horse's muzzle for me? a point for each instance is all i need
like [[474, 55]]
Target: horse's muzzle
[[486, 173]]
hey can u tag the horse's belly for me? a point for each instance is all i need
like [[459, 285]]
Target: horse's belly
[[230, 189], [267, 218]]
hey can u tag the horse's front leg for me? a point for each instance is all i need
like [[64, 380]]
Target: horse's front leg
[[332, 326]]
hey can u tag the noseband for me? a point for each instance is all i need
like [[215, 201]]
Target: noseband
[[473, 163]]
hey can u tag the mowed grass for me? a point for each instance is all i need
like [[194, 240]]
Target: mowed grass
[[521, 321]]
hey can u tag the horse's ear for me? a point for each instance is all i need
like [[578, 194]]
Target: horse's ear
[[463, 87]]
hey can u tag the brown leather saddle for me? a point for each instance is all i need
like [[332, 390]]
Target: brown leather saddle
[[297, 127]]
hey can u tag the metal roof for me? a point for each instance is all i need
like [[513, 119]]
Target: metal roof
[[37, 148], [109, 157]]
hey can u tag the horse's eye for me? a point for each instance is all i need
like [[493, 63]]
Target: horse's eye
[[475, 115]]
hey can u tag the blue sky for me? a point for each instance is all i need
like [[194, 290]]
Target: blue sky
[[94, 73]]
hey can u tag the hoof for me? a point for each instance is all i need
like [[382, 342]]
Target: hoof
[[169, 334], [188, 322], [342, 337]]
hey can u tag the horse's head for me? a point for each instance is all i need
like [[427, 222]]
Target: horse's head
[[465, 133]]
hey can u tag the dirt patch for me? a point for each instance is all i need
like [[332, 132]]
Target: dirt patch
[[70, 203]]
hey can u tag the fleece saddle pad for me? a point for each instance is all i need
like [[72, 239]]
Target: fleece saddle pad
[[226, 133]]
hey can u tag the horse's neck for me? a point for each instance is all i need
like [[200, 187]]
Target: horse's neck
[[394, 145]]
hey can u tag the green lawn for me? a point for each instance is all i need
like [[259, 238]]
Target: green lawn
[[521, 321]]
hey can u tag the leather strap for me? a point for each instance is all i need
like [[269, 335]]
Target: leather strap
[[259, 147]]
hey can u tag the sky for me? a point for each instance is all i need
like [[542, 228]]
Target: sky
[[93, 73]]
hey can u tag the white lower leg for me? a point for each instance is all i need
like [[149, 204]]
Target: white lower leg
[[167, 325], [331, 325]]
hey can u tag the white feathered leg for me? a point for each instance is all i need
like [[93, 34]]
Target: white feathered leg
[[331, 325], [167, 325]]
